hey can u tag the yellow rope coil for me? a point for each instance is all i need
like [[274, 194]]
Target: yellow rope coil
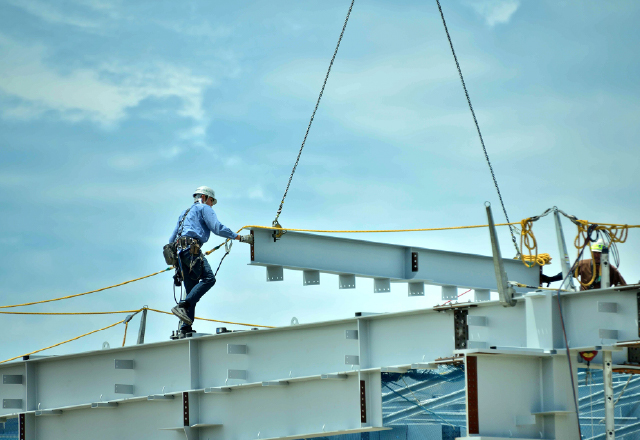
[[63, 342], [539, 259]]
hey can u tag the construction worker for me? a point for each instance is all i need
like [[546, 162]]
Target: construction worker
[[191, 232], [585, 269]]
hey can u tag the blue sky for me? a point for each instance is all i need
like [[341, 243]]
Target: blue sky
[[112, 113]]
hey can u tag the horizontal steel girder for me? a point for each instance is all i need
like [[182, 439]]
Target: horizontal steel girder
[[311, 358], [343, 256]]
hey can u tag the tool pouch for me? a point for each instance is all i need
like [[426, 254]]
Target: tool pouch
[[170, 253], [194, 248]]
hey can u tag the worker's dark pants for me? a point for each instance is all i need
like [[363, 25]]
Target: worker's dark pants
[[197, 281]]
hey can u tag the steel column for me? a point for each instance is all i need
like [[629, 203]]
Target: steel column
[[565, 262]]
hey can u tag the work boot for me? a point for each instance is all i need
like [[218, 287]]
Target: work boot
[[181, 313], [186, 332]]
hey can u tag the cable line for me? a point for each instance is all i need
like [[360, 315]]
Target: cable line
[[216, 320], [63, 342], [86, 293], [304, 140], [69, 313], [475, 120], [617, 233]]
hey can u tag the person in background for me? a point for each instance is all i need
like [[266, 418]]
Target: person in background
[[584, 271]]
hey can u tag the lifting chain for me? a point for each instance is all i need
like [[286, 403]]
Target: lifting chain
[[475, 120], [278, 233]]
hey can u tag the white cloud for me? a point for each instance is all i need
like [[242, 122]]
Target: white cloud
[[102, 94], [495, 11], [257, 193]]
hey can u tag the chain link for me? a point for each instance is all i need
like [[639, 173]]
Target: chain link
[[324, 84], [475, 120]]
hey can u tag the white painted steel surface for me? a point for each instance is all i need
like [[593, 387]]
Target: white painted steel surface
[[343, 256], [526, 374]]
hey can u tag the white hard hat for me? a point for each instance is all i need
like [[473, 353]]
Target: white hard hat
[[597, 245], [206, 191]]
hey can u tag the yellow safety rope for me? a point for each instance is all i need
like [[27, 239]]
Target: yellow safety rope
[[69, 313], [126, 326], [373, 230], [216, 320], [618, 233], [64, 342], [86, 293], [365, 231]]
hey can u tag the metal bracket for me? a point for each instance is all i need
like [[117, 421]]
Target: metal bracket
[[414, 261], [351, 360], [275, 273], [461, 328], [347, 281], [363, 402], [311, 277], [12, 403], [253, 254], [12, 379], [416, 289], [123, 389], [185, 409], [237, 374], [23, 427], [124, 364], [607, 307], [236, 349], [381, 285]]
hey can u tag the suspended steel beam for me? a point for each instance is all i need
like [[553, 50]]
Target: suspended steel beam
[[385, 262]]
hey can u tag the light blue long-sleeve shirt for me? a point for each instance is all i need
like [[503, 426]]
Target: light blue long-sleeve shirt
[[200, 222]]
